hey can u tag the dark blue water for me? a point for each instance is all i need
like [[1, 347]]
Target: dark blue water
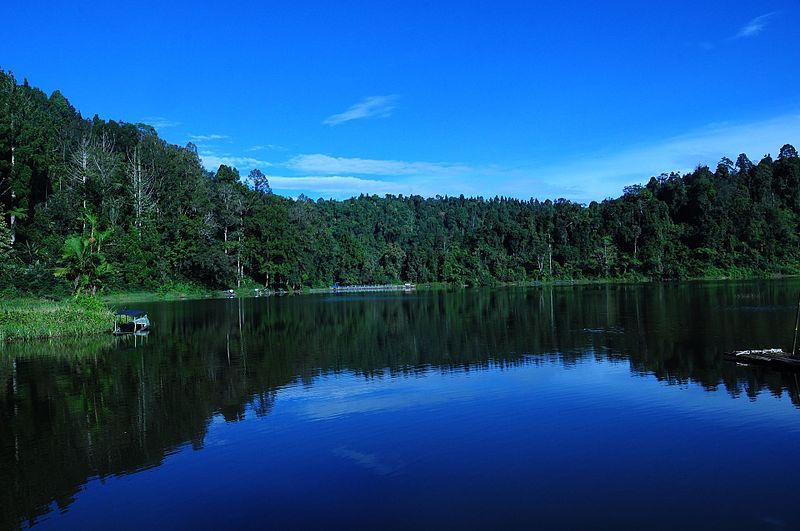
[[567, 407]]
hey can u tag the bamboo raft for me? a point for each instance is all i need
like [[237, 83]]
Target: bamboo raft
[[771, 357]]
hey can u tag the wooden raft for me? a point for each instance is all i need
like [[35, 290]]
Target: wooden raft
[[773, 357]]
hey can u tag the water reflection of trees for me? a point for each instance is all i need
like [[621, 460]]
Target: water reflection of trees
[[94, 408]]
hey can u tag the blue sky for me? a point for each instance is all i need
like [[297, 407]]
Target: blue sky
[[523, 99]]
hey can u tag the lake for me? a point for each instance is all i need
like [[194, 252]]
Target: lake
[[598, 406]]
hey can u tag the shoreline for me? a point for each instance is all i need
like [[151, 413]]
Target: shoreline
[[249, 293], [31, 318]]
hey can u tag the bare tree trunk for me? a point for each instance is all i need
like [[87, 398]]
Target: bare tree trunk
[[79, 169], [239, 263], [141, 189], [106, 163], [16, 108], [13, 196]]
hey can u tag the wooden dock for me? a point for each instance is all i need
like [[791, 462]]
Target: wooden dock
[[771, 357], [372, 287]]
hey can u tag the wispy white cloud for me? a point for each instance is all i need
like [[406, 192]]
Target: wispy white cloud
[[343, 176], [212, 161], [755, 26], [159, 122], [207, 138], [265, 147], [326, 164], [593, 176], [371, 107], [338, 185]]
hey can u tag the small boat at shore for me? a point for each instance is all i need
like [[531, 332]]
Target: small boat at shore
[[131, 322]]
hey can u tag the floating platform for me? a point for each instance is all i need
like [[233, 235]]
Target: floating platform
[[771, 357]]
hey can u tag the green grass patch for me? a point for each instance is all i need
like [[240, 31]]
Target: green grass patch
[[169, 291], [35, 318]]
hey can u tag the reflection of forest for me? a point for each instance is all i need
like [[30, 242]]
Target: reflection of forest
[[72, 411]]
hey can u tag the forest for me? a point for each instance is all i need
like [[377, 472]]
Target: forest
[[91, 205]]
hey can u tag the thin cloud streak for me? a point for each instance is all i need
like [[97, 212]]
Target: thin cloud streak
[[207, 138], [265, 147], [404, 177], [319, 163], [211, 161], [755, 26], [159, 122], [338, 185], [371, 107]]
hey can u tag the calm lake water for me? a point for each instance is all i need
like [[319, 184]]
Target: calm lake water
[[563, 407]]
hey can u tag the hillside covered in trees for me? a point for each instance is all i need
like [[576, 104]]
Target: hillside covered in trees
[[90, 204]]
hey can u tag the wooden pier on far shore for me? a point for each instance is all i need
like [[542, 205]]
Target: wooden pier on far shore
[[371, 287]]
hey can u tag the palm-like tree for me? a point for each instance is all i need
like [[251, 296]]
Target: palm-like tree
[[83, 261]]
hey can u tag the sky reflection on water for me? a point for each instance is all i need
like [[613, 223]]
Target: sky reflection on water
[[610, 411]]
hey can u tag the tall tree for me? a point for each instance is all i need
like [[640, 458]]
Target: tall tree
[[141, 189], [259, 182]]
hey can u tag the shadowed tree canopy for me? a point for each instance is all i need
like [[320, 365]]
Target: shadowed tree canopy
[[227, 175]]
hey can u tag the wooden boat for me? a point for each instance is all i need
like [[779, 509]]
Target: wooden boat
[[131, 322]]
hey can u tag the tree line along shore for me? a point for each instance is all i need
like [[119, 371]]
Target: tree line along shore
[[96, 206]]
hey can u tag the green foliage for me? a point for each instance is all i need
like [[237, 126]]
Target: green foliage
[[179, 289], [173, 226], [90, 304], [6, 256], [83, 260]]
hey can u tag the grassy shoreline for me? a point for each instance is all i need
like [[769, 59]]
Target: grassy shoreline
[[24, 318]]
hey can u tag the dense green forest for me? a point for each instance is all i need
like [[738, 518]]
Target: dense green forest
[[91, 204]]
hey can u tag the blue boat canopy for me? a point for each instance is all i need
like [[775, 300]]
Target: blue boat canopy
[[131, 313]]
